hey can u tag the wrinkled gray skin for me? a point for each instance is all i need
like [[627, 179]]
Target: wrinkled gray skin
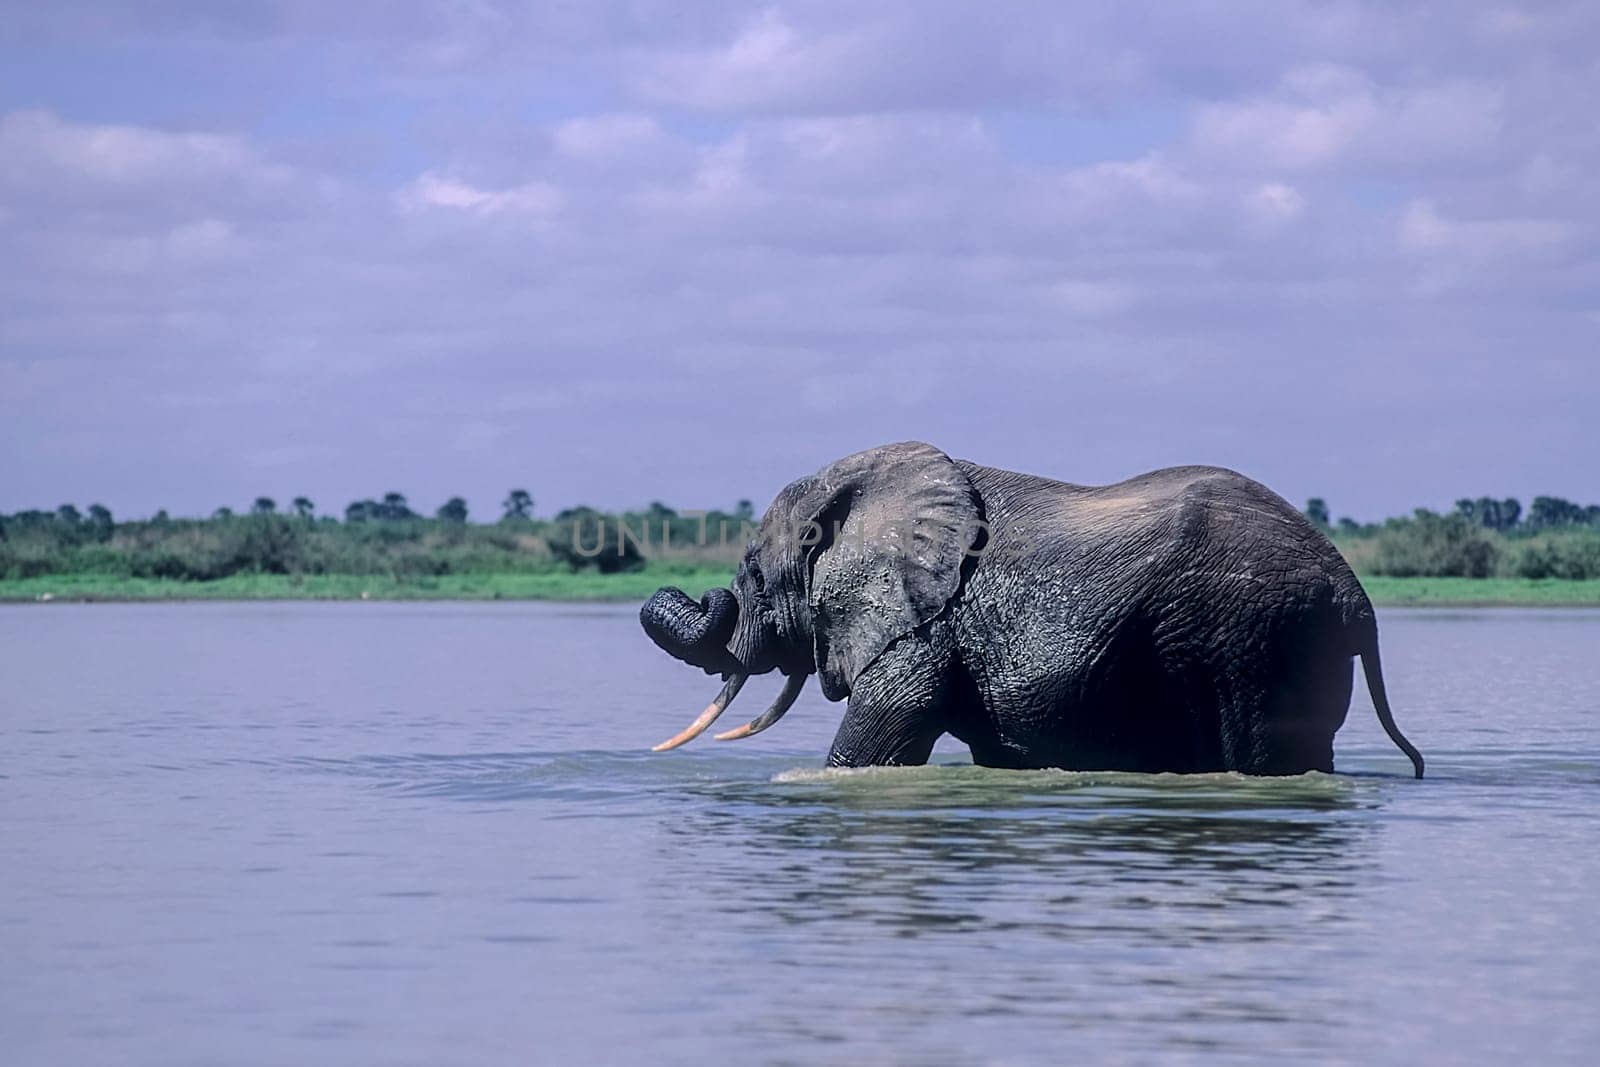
[[1184, 620]]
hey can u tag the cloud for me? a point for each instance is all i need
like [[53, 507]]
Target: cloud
[[616, 255], [608, 137], [120, 155], [431, 190], [1333, 118], [1276, 202], [1423, 230], [42, 155], [1456, 252]]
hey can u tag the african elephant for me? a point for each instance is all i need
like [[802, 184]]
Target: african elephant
[[1184, 620]]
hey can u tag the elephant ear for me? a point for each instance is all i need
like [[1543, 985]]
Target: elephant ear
[[893, 526]]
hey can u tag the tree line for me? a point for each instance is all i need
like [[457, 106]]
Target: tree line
[[1502, 516], [391, 506], [1483, 537], [377, 535], [1554, 538]]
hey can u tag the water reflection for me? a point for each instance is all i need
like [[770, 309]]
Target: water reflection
[[850, 855], [1025, 894]]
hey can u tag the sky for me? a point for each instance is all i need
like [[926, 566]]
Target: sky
[[615, 252]]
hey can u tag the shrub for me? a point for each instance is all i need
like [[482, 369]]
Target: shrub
[[1574, 554], [584, 538], [1435, 545]]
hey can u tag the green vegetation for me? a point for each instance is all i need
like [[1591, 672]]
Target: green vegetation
[[636, 585], [382, 550], [1481, 592], [378, 538], [1485, 552], [547, 585], [1482, 538]]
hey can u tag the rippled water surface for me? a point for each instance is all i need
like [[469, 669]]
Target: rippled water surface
[[375, 833]]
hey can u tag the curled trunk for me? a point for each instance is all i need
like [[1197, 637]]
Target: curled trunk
[[696, 633]]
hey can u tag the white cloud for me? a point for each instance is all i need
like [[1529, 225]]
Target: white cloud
[[1283, 134], [114, 153], [432, 190], [1483, 254], [1272, 205], [38, 148], [202, 239], [1151, 180], [1424, 230], [605, 137], [1325, 118], [766, 62]]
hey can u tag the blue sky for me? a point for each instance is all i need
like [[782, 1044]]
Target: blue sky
[[615, 252]]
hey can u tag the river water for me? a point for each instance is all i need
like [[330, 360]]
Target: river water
[[433, 834]]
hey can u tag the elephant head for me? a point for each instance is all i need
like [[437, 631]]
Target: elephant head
[[843, 563]]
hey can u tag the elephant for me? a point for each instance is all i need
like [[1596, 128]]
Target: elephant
[[1186, 620]]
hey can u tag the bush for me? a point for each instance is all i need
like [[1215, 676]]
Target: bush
[[1572, 554], [1435, 545], [23, 563], [583, 538]]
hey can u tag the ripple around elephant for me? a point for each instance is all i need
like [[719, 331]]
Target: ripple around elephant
[[1184, 620]]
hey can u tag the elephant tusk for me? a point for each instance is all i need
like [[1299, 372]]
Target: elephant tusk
[[707, 717], [791, 689]]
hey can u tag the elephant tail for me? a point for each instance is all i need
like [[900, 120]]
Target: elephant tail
[[1361, 623], [1373, 667]]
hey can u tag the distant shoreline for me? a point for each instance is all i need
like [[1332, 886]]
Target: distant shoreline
[[1389, 592], [591, 586], [574, 586]]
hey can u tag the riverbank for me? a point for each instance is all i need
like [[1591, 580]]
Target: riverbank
[[1482, 592], [549, 585], [636, 585]]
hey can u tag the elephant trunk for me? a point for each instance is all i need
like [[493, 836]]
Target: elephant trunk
[[696, 633]]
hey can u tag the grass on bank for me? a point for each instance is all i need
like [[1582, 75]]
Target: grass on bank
[[550, 585], [1392, 592], [636, 585]]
